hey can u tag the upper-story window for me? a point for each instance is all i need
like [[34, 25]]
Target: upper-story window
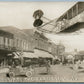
[[1, 40], [6, 41]]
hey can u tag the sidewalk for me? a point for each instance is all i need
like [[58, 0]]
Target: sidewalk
[[4, 70]]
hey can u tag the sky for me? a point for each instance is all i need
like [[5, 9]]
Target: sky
[[19, 14], [70, 41]]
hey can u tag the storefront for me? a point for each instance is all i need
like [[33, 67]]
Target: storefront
[[43, 55], [5, 58], [29, 58]]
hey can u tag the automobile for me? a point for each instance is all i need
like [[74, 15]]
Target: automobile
[[19, 70]]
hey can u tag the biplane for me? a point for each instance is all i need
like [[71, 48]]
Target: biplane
[[41, 22], [71, 21]]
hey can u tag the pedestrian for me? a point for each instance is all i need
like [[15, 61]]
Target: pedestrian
[[47, 66], [76, 66]]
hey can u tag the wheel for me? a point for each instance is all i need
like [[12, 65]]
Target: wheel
[[29, 73], [11, 74]]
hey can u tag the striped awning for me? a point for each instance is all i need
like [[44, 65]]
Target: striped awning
[[15, 55]]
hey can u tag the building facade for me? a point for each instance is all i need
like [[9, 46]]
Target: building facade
[[17, 41]]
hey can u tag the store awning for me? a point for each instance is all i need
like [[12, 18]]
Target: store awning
[[43, 54], [29, 55]]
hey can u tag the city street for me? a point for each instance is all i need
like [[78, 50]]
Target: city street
[[58, 73], [42, 42]]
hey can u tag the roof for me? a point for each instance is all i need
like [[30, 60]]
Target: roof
[[29, 32], [40, 35], [6, 34], [32, 33], [15, 31]]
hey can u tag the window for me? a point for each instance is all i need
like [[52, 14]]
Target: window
[[14, 42], [6, 41], [1, 40], [10, 42]]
